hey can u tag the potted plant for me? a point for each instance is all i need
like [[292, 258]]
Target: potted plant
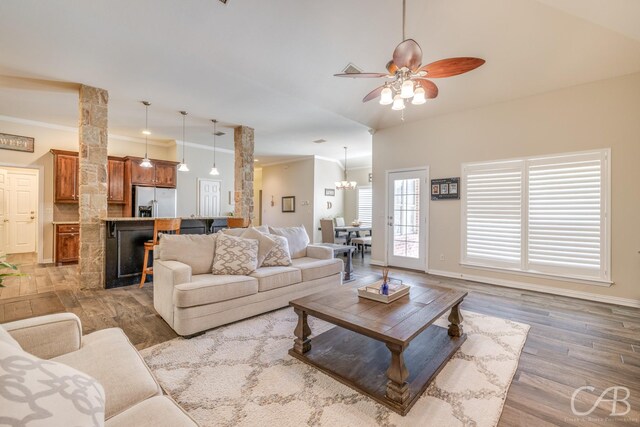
[[13, 271]]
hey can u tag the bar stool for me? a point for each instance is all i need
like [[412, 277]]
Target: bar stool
[[159, 226], [236, 222]]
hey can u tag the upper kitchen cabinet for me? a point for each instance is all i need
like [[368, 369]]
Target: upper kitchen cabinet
[[162, 173], [65, 170], [115, 180], [66, 166]]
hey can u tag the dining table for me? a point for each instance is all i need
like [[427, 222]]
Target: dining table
[[350, 230]]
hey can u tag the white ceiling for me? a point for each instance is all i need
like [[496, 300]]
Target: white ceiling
[[269, 64]]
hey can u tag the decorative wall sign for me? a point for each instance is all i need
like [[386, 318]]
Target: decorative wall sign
[[16, 142], [445, 188], [330, 192]]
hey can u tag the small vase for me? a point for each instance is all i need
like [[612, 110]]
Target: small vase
[[384, 289]]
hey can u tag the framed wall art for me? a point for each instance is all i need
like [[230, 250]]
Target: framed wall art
[[445, 188]]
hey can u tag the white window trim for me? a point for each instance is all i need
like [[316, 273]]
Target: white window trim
[[606, 280]]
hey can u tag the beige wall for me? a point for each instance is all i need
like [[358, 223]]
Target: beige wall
[[361, 176], [325, 176], [200, 161], [289, 179], [603, 114], [60, 138]]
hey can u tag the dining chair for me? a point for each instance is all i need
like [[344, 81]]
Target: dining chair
[[329, 232], [339, 221]]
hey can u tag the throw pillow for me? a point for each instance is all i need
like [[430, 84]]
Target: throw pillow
[[195, 250], [265, 243], [263, 229], [235, 256], [237, 232], [297, 238], [279, 255], [39, 392]]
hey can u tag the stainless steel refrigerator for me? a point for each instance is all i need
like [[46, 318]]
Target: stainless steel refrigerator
[[161, 201]]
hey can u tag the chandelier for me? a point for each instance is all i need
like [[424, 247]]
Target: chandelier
[[345, 184]]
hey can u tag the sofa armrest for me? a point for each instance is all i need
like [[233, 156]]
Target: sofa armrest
[[47, 336], [166, 275], [319, 252]]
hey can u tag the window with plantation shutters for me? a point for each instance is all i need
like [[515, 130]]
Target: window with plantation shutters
[[365, 205], [540, 215]]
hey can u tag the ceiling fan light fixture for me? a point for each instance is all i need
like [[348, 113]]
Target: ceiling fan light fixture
[[398, 103], [419, 96], [406, 90], [386, 96]]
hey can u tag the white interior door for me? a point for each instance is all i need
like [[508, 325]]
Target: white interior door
[[209, 197], [408, 219], [22, 212], [4, 207]]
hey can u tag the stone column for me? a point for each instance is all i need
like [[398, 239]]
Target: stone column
[[92, 179], [243, 182]]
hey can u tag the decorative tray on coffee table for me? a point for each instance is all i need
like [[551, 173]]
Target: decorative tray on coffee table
[[396, 290]]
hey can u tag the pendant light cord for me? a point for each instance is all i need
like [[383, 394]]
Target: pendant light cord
[[146, 128], [184, 116], [214, 142], [404, 17]]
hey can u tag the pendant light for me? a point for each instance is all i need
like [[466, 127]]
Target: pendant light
[[146, 163], [182, 167], [214, 169], [345, 184]]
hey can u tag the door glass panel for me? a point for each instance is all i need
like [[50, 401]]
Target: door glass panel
[[406, 218]]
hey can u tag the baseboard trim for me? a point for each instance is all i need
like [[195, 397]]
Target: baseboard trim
[[627, 302], [378, 263]]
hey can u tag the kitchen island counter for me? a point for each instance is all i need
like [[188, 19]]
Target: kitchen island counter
[[124, 244]]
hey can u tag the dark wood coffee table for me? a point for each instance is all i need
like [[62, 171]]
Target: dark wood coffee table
[[389, 352]]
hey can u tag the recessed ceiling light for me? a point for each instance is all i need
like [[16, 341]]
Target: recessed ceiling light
[[255, 160], [320, 141]]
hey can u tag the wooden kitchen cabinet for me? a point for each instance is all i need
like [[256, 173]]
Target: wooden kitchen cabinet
[[115, 180], [67, 243], [65, 171], [162, 174]]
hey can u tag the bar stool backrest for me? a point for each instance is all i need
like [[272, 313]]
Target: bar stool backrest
[[171, 225]]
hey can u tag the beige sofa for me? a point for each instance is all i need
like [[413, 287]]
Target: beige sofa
[[132, 396], [191, 303]]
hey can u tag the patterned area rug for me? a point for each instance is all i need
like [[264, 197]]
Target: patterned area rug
[[241, 375]]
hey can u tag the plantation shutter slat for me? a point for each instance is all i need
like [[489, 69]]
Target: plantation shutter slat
[[566, 214], [493, 200], [365, 206]]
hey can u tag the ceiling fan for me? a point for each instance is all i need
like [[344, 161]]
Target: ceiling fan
[[408, 78]]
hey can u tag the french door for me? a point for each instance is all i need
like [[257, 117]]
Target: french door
[[407, 220]]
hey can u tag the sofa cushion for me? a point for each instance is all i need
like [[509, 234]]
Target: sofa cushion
[[109, 357], [195, 250], [37, 392], [313, 268], [279, 254], [297, 238], [235, 255], [264, 229], [265, 243], [210, 288], [276, 277], [6, 338], [159, 411], [236, 232]]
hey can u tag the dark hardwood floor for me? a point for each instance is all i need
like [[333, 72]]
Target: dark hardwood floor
[[571, 344]]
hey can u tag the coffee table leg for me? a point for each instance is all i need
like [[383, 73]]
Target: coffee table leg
[[397, 387], [348, 268], [455, 319], [302, 343]]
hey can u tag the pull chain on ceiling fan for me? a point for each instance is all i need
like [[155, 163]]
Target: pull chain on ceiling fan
[[408, 79]]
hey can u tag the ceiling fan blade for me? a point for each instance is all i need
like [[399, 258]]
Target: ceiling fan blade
[[408, 54], [373, 94], [361, 75], [391, 67], [451, 67], [430, 88]]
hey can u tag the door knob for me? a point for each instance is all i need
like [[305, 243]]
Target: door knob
[[6, 220], [33, 217]]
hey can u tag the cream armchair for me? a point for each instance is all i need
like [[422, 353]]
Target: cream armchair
[[132, 396]]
